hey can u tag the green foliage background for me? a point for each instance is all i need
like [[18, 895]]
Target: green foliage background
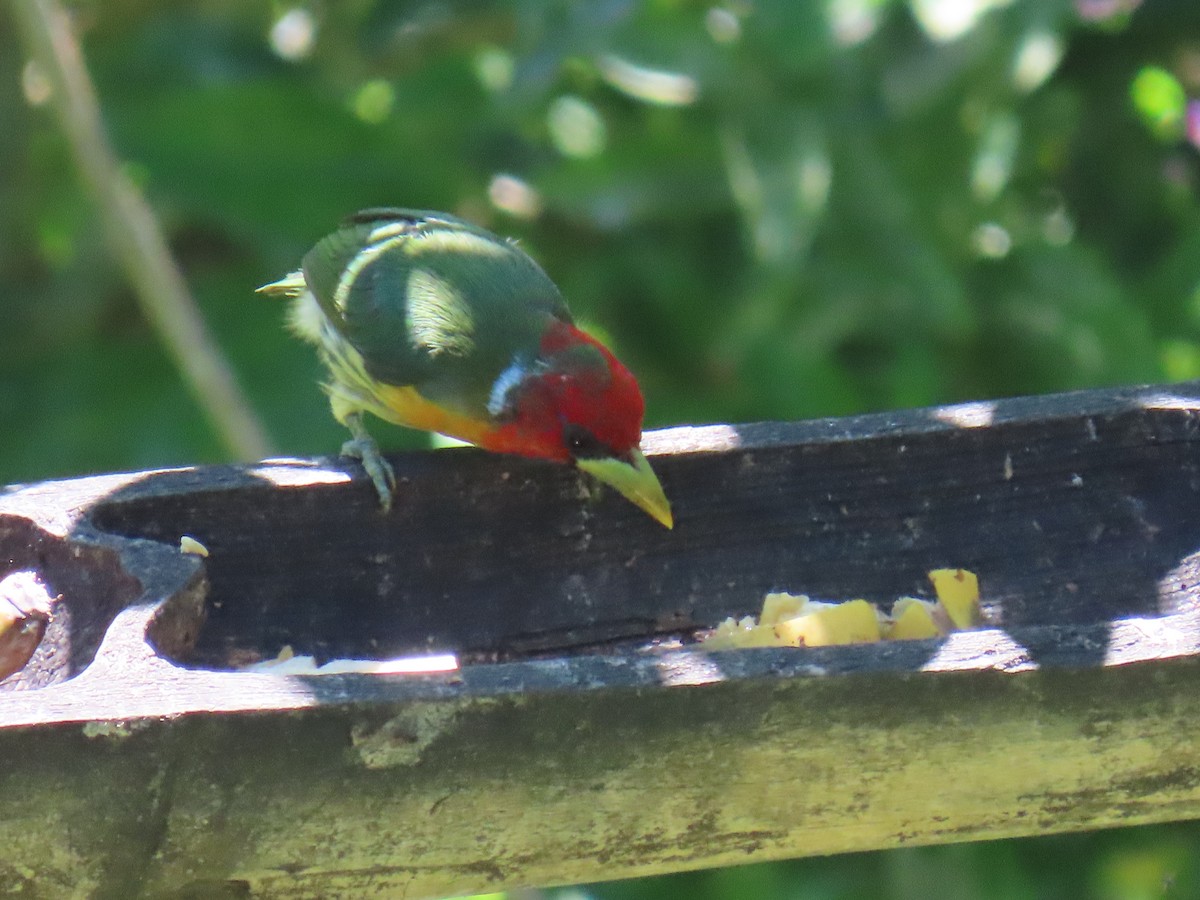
[[774, 209]]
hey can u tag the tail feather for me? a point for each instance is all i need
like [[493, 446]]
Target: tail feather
[[291, 285]]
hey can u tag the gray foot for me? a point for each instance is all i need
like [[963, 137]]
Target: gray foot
[[363, 447]]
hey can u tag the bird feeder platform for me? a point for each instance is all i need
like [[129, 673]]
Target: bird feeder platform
[[547, 715]]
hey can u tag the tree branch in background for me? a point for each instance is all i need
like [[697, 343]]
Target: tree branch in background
[[133, 231]]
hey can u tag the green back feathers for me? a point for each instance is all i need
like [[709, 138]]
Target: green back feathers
[[431, 301]]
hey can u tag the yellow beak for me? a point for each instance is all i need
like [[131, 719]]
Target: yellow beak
[[635, 480]]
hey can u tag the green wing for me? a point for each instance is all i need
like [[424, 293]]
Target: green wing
[[432, 301]]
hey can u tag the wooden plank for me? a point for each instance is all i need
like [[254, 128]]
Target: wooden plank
[[566, 747]]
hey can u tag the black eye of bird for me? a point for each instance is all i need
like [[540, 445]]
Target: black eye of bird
[[582, 444]]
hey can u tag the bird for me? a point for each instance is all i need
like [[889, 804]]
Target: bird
[[428, 321]]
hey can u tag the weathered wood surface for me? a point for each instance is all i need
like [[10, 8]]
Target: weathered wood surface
[[137, 761]]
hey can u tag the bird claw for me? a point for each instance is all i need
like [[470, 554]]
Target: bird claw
[[381, 473]]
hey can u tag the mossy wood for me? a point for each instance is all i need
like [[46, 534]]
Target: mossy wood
[[580, 738]]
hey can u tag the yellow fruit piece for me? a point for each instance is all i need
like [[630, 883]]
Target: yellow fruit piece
[[722, 636], [958, 592], [912, 620], [759, 636], [793, 620], [825, 624], [189, 545], [733, 634], [778, 607]]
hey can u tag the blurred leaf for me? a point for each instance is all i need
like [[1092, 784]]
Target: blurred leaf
[[1161, 101]]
